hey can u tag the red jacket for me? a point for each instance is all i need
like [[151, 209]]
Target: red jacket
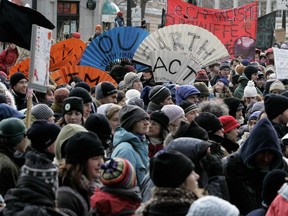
[[8, 57], [279, 206]]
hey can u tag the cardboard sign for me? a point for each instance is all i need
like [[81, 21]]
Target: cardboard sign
[[281, 63], [235, 27]]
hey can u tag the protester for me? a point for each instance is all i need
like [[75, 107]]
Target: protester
[[60, 94], [19, 85], [8, 57], [105, 92], [187, 93], [191, 110], [46, 98], [119, 20], [98, 31], [132, 81], [159, 96]]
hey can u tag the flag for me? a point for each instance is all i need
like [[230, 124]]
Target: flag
[[16, 23]]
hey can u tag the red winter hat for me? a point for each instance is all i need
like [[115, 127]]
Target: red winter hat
[[229, 123], [76, 35]]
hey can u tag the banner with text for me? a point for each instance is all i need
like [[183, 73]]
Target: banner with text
[[235, 27], [281, 63]]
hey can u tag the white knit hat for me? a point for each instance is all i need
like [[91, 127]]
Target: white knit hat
[[173, 112], [132, 93], [212, 205], [250, 90]]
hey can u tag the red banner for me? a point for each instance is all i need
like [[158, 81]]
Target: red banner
[[235, 27]]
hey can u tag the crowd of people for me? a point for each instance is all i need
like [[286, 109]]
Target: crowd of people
[[217, 147]]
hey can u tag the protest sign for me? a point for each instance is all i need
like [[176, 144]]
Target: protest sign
[[281, 63], [265, 31]]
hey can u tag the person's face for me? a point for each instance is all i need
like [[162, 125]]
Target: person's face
[[233, 134], [73, 117], [122, 102], [154, 129], [51, 119], [251, 124], [93, 167], [224, 72], [234, 64], [219, 87], [21, 147], [263, 159], [283, 118], [191, 182], [12, 46], [141, 127], [192, 99], [109, 99], [216, 68], [114, 121], [49, 97], [21, 86], [167, 101], [249, 100], [220, 132], [270, 55], [147, 75], [137, 85], [87, 109], [192, 115], [239, 114], [276, 91], [254, 77], [260, 82], [240, 58]]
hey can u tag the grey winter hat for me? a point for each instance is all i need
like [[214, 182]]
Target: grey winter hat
[[42, 111]]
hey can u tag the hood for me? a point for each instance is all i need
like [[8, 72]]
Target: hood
[[243, 78], [262, 137], [121, 135]]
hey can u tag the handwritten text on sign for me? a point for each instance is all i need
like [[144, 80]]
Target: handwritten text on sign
[[281, 63]]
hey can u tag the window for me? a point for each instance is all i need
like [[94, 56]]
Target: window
[[66, 8]]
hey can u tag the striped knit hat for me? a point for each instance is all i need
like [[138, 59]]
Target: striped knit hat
[[119, 173]]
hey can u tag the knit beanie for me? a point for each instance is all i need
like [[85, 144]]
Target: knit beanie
[[132, 93], [170, 169], [103, 108], [272, 182], [42, 111], [72, 103], [212, 205], [83, 85], [188, 106], [136, 102], [129, 115], [224, 81], [229, 123], [8, 112], [257, 106], [277, 85], [161, 118], [224, 66], [104, 89], [158, 94], [269, 70], [201, 76], [275, 105], [129, 79], [81, 93], [202, 87], [254, 116], [12, 131], [250, 90], [184, 91], [191, 130], [42, 134], [16, 77], [82, 146], [173, 112], [234, 105], [249, 70], [118, 173], [245, 62], [60, 94], [209, 122]]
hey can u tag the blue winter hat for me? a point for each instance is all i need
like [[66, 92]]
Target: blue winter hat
[[8, 112], [185, 91], [223, 80], [254, 116]]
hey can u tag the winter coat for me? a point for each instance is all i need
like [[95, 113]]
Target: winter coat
[[279, 205], [109, 201], [239, 91], [119, 21], [244, 179], [20, 100], [134, 149], [8, 58], [281, 129], [229, 145]]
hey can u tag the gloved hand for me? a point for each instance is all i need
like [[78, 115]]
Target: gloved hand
[[212, 165]]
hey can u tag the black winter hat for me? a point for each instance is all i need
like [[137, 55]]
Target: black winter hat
[[83, 85], [188, 106], [159, 93], [209, 122], [224, 66], [42, 134], [82, 146], [72, 103], [16, 77], [234, 105], [191, 130], [100, 125], [170, 169], [249, 70], [104, 89], [161, 118], [275, 105], [81, 93]]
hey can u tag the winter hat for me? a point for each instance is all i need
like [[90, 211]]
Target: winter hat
[[249, 70], [161, 118], [118, 173], [188, 106], [277, 85], [224, 66], [120, 14], [234, 105], [136, 102], [269, 70], [191, 130], [250, 90], [173, 112], [129, 79], [12, 131], [15, 78], [100, 125], [275, 105], [7, 112], [42, 111], [170, 169], [132, 93], [60, 94], [76, 35], [229, 123], [159, 93], [82, 146], [272, 182], [202, 87], [103, 108], [83, 85], [224, 81], [185, 91], [254, 116], [81, 93], [72, 103], [130, 115], [104, 89], [209, 122], [201, 76], [212, 205], [3, 74], [257, 106], [42, 134], [245, 62]]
